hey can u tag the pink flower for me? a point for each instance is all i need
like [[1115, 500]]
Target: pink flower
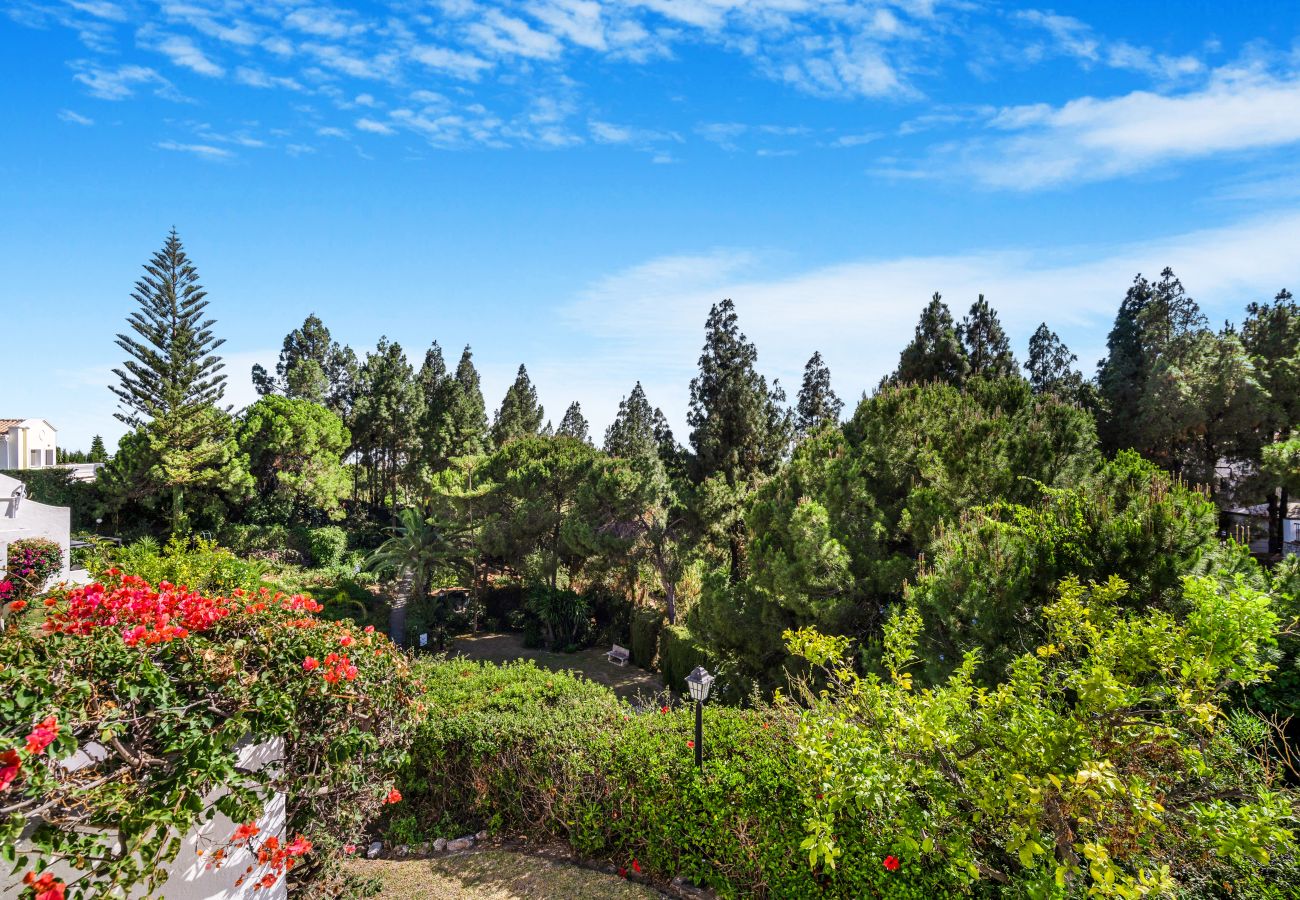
[[310, 663], [43, 735], [690, 744], [349, 849], [10, 762], [370, 629], [345, 641]]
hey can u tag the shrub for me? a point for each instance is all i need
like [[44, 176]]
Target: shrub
[[679, 654], [564, 616], [200, 565], [277, 543], [644, 644], [30, 564], [169, 682], [326, 545]]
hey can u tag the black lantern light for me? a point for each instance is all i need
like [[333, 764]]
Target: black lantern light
[[699, 682]]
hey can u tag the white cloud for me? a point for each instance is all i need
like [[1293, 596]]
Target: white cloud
[[1091, 139], [182, 51], [75, 118], [322, 22], [460, 65], [120, 83], [203, 151], [648, 320], [509, 36], [1078, 39], [374, 127]]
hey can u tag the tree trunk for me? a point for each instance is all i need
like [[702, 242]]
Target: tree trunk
[[178, 508], [1274, 524]]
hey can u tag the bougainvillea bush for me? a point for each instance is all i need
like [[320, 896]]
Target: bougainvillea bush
[[30, 564], [160, 686], [1104, 766]]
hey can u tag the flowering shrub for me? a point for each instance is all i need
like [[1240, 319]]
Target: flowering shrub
[[31, 563], [159, 686]]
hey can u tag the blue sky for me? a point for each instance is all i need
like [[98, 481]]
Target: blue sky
[[571, 183]]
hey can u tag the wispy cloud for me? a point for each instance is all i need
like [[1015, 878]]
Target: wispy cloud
[[75, 118], [182, 51], [121, 83], [203, 151], [374, 127]]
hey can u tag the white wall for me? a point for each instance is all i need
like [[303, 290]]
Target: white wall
[[32, 520]]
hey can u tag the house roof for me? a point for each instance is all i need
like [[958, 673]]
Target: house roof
[[6, 424]]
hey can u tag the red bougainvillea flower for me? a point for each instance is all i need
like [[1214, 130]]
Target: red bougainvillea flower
[[370, 629], [244, 832], [663, 709], [268, 880], [45, 887], [300, 847], [690, 744], [622, 873], [891, 863], [349, 849], [346, 641], [310, 663], [10, 762], [43, 735], [394, 796], [14, 606], [636, 867]]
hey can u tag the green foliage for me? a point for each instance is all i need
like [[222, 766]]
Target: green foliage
[[1102, 763], [936, 353], [643, 644], [1051, 370], [564, 616], [574, 424], [197, 564], [987, 348], [388, 402], [818, 405], [988, 577], [169, 718], [679, 654], [294, 450], [57, 487], [312, 367], [520, 414], [327, 545]]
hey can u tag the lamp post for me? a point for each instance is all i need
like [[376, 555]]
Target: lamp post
[[699, 682]]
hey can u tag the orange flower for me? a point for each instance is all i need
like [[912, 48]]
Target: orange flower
[[394, 796], [45, 887], [43, 735], [15, 606], [244, 832], [310, 663]]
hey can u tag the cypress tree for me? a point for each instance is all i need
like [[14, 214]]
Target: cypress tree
[[987, 347], [173, 364], [818, 405], [520, 414], [573, 424], [464, 429], [936, 352]]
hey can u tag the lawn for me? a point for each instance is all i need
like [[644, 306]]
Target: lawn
[[496, 874], [629, 682]]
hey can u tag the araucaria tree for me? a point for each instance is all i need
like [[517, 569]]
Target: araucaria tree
[[818, 405], [172, 382], [520, 414], [936, 353]]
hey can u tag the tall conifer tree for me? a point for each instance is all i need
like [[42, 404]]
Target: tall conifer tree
[[936, 352], [574, 424], [818, 405], [520, 414], [464, 430], [987, 347]]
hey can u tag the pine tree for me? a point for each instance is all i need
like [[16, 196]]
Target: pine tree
[[986, 342], [936, 352], [1051, 365], [97, 451], [173, 364], [1271, 335], [632, 433], [312, 367], [388, 402], [818, 405], [573, 424], [739, 428], [520, 414], [436, 386], [464, 430]]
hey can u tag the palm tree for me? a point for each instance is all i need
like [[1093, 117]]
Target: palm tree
[[418, 548]]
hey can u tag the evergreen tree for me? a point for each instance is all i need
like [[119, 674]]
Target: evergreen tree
[[171, 384], [1051, 365], [573, 424], [986, 343], [173, 365], [739, 428], [437, 387], [388, 402], [464, 428], [312, 367], [520, 414], [936, 352], [632, 433], [97, 451], [818, 405]]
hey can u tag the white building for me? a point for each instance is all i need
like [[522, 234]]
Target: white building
[[23, 518], [27, 444]]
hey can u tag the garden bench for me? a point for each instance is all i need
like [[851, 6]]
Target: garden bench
[[618, 655]]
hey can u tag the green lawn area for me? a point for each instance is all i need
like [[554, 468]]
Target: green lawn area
[[495, 874], [629, 682]]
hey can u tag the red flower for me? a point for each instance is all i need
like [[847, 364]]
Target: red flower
[[15, 606], [244, 832], [891, 863], [43, 735], [310, 663], [349, 849], [300, 847], [663, 709], [636, 867], [345, 641], [268, 880], [370, 629], [690, 744], [394, 796], [622, 873], [10, 762], [45, 887]]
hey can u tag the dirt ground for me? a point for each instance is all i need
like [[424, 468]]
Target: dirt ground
[[496, 874], [628, 681]]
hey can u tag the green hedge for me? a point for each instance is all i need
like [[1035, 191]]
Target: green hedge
[[679, 654], [521, 750], [644, 644]]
